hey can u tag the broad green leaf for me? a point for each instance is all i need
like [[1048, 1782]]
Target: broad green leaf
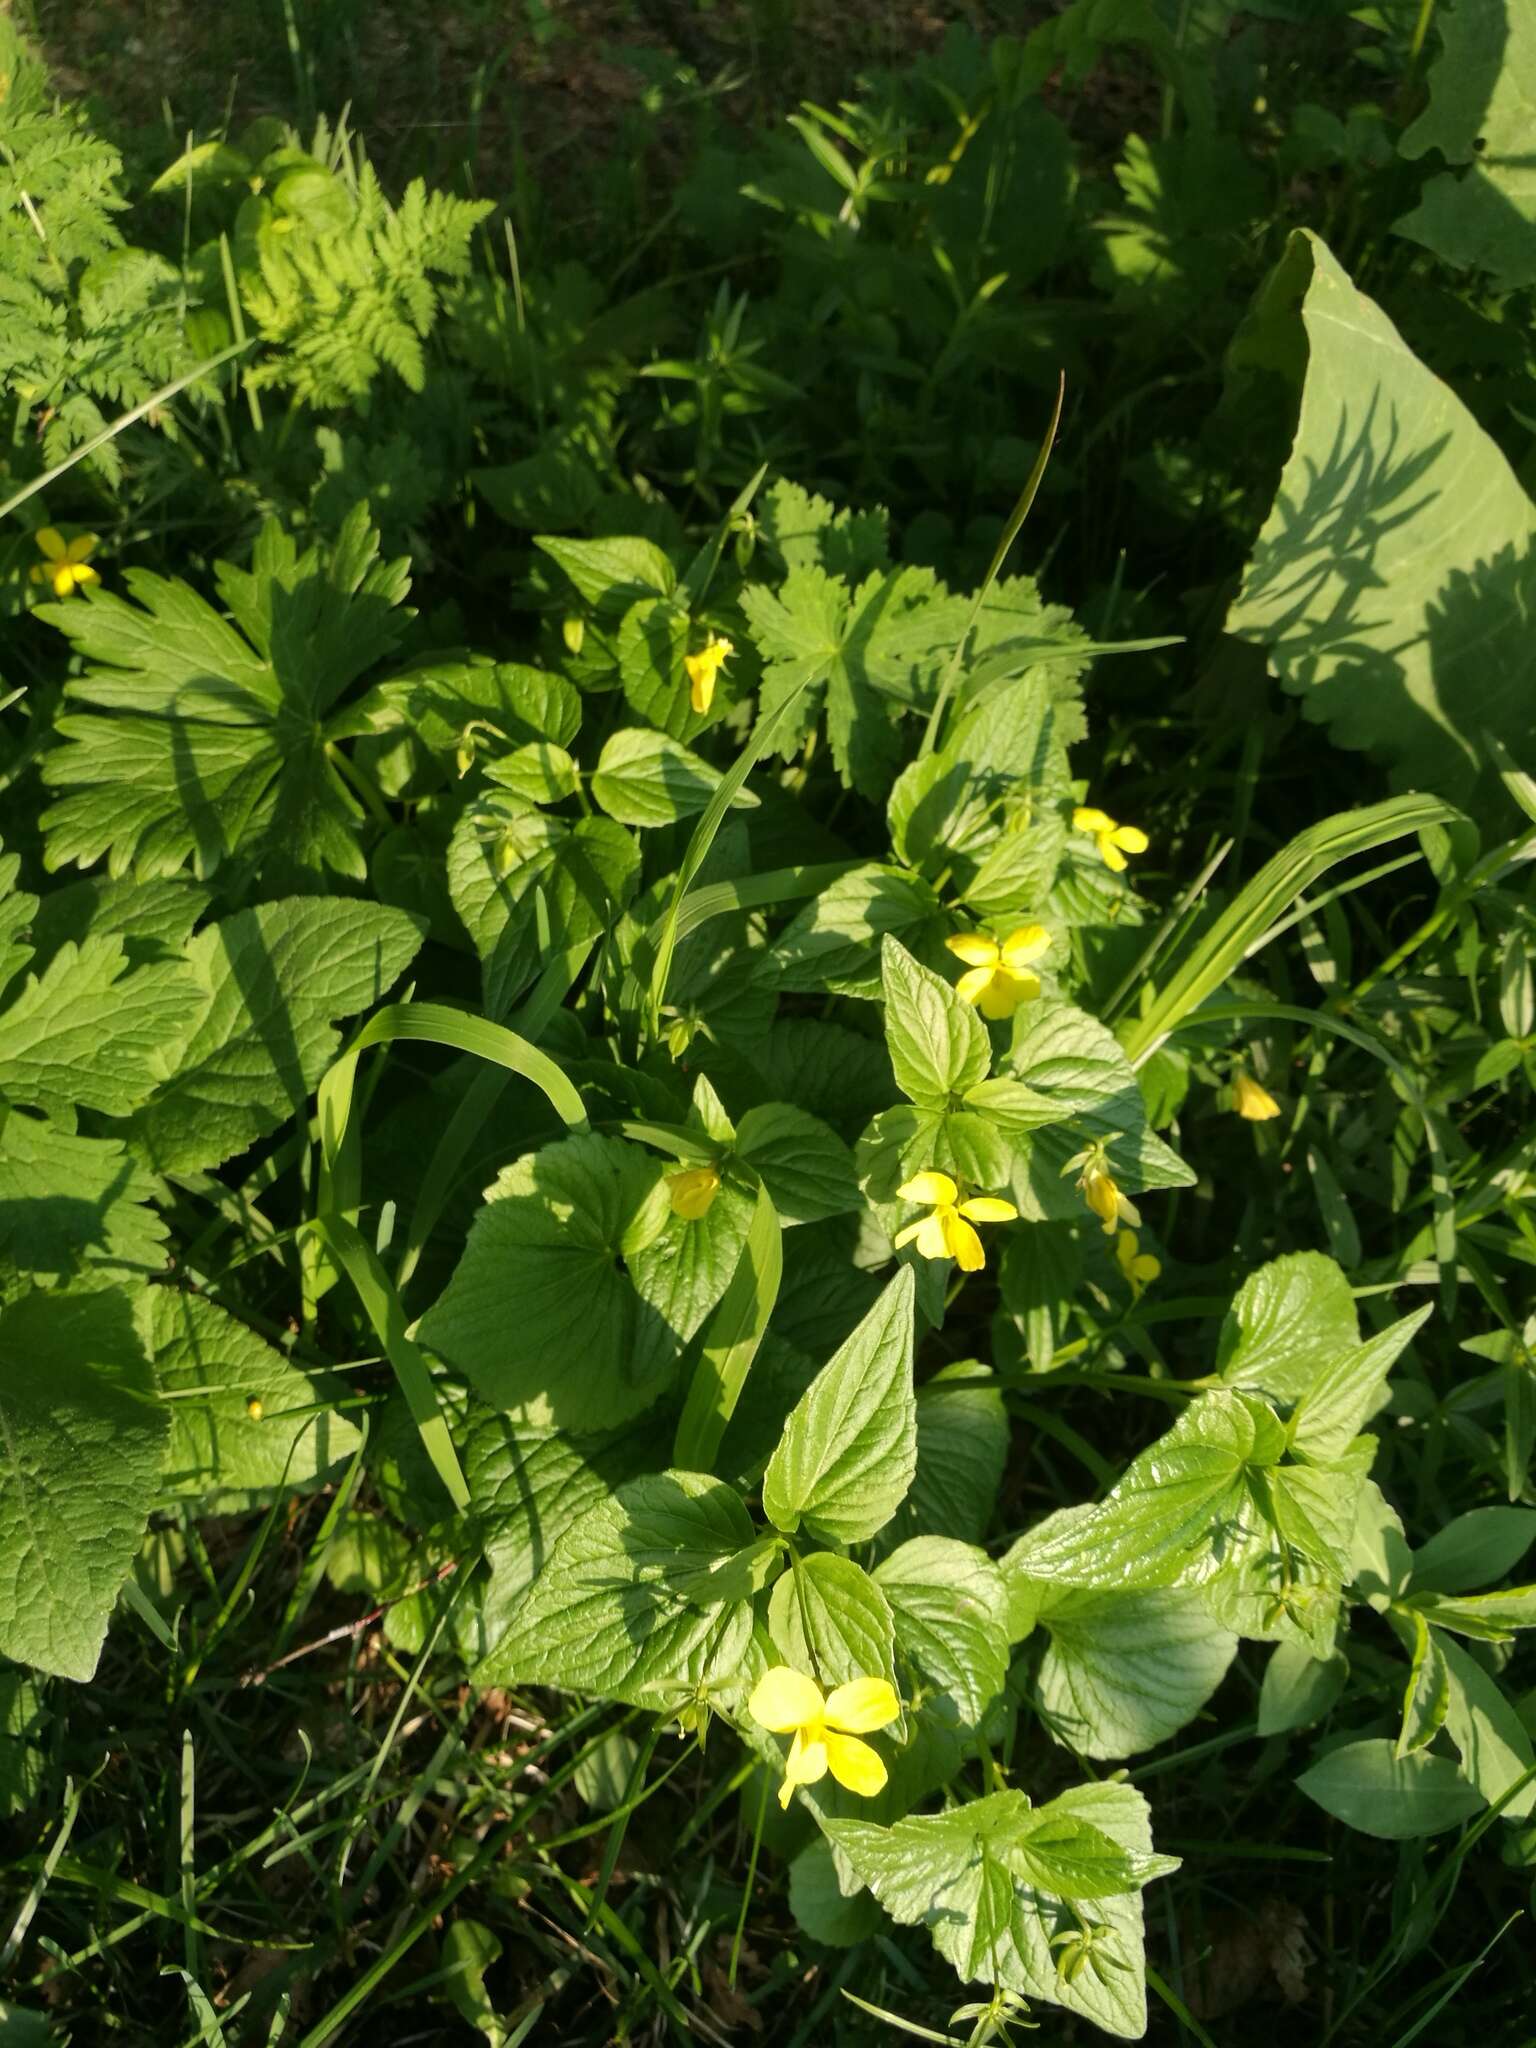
[[962, 1447], [645, 778], [1348, 1392], [1481, 1545], [258, 1036], [833, 946], [437, 701], [469, 1950], [1287, 1325], [938, 1044], [849, 1448], [909, 1140], [732, 1338], [611, 572], [74, 1208], [578, 1289], [1487, 1729], [505, 859], [88, 1033], [1482, 96], [819, 1905], [82, 1438], [210, 1368], [640, 1599], [1368, 1787], [949, 807], [538, 773], [946, 1872], [1123, 1671], [1062, 1855], [951, 1620], [804, 1165], [1391, 583], [1299, 1690], [652, 647], [154, 919], [208, 738], [827, 1616]]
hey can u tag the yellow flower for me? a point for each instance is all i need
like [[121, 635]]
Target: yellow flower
[[1114, 841], [826, 1731], [1097, 1186], [947, 1232], [1252, 1101], [693, 1191], [999, 978], [702, 669], [68, 567], [1139, 1268]]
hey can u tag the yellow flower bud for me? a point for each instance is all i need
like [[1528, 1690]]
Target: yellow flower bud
[[693, 1191], [254, 1408], [573, 630], [1252, 1101]]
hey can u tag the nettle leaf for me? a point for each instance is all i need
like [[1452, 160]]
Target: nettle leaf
[[154, 919], [1122, 1671], [1482, 87], [208, 739], [89, 1033], [833, 945], [82, 1437], [583, 874], [74, 1208], [938, 1044], [951, 1612], [578, 1289], [210, 1368], [257, 1035], [962, 1447], [1392, 583], [992, 1880], [827, 1615], [849, 1448], [645, 1597], [646, 779], [1066, 1081], [805, 1166], [17, 909], [1368, 1787]]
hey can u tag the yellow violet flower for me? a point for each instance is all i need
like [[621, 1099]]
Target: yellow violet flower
[[702, 669], [826, 1731], [1098, 1188], [693, 1191], [999, 976], [1114, 841], [1139, 1268], [947, 1232], [68, 567], [1252, 1101]]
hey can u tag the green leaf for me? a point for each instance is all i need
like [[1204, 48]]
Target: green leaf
[[23, 1764], [1485, 1617], [469, 1950], [1368, 1787], [1391, 583], [1123, 1671], [215, 746], [1482, 92], [258, 1035], [538, 773], [1428, 1692], [88, 1034], [946, 1872], [833, 945], [645, 778], [583, 874], [827, 1616], [732, 1338], [951, 1616], [804, 1165], [578, 1289], [611, 573], [438, 700], [1287, 1325], [1481, 1545], [849, 1448], [820, 1908], [1351, 1390], [82, 1438], [640, 1598], [962, 1447], [938, 1045], [210, 1368], [74, 1208], [1487, 1730], [1299, 1690]]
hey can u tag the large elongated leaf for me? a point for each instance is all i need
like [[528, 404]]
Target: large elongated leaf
[[1394, 578]]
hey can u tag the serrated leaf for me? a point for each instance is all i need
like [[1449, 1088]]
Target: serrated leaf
[[439, 699], [849, 1448], [611, 572], [646, 779], [82, 1436], [90, 1034], [805, 1166], [259, 1033], [826, 1615], [833, 945], [938, 1044], [951, 1616], [1350, 1390], [637, 1600], [74, 1208], [1288, 1323]]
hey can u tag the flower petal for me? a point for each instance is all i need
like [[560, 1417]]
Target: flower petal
[[974, 948], [82, 547], [52, 543], [1024, 946], [905, 1237], [693, 1191], [783, 1699], [1086, 819], [975, 985], [931, 1187], [988, 1209], [862, 1704], [1110, 854], [1131, 839], [855, 1765], [83, 573], [1145, 1268], [962, 1243], [807, 1760], [932, 1239], [1003, 995]]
